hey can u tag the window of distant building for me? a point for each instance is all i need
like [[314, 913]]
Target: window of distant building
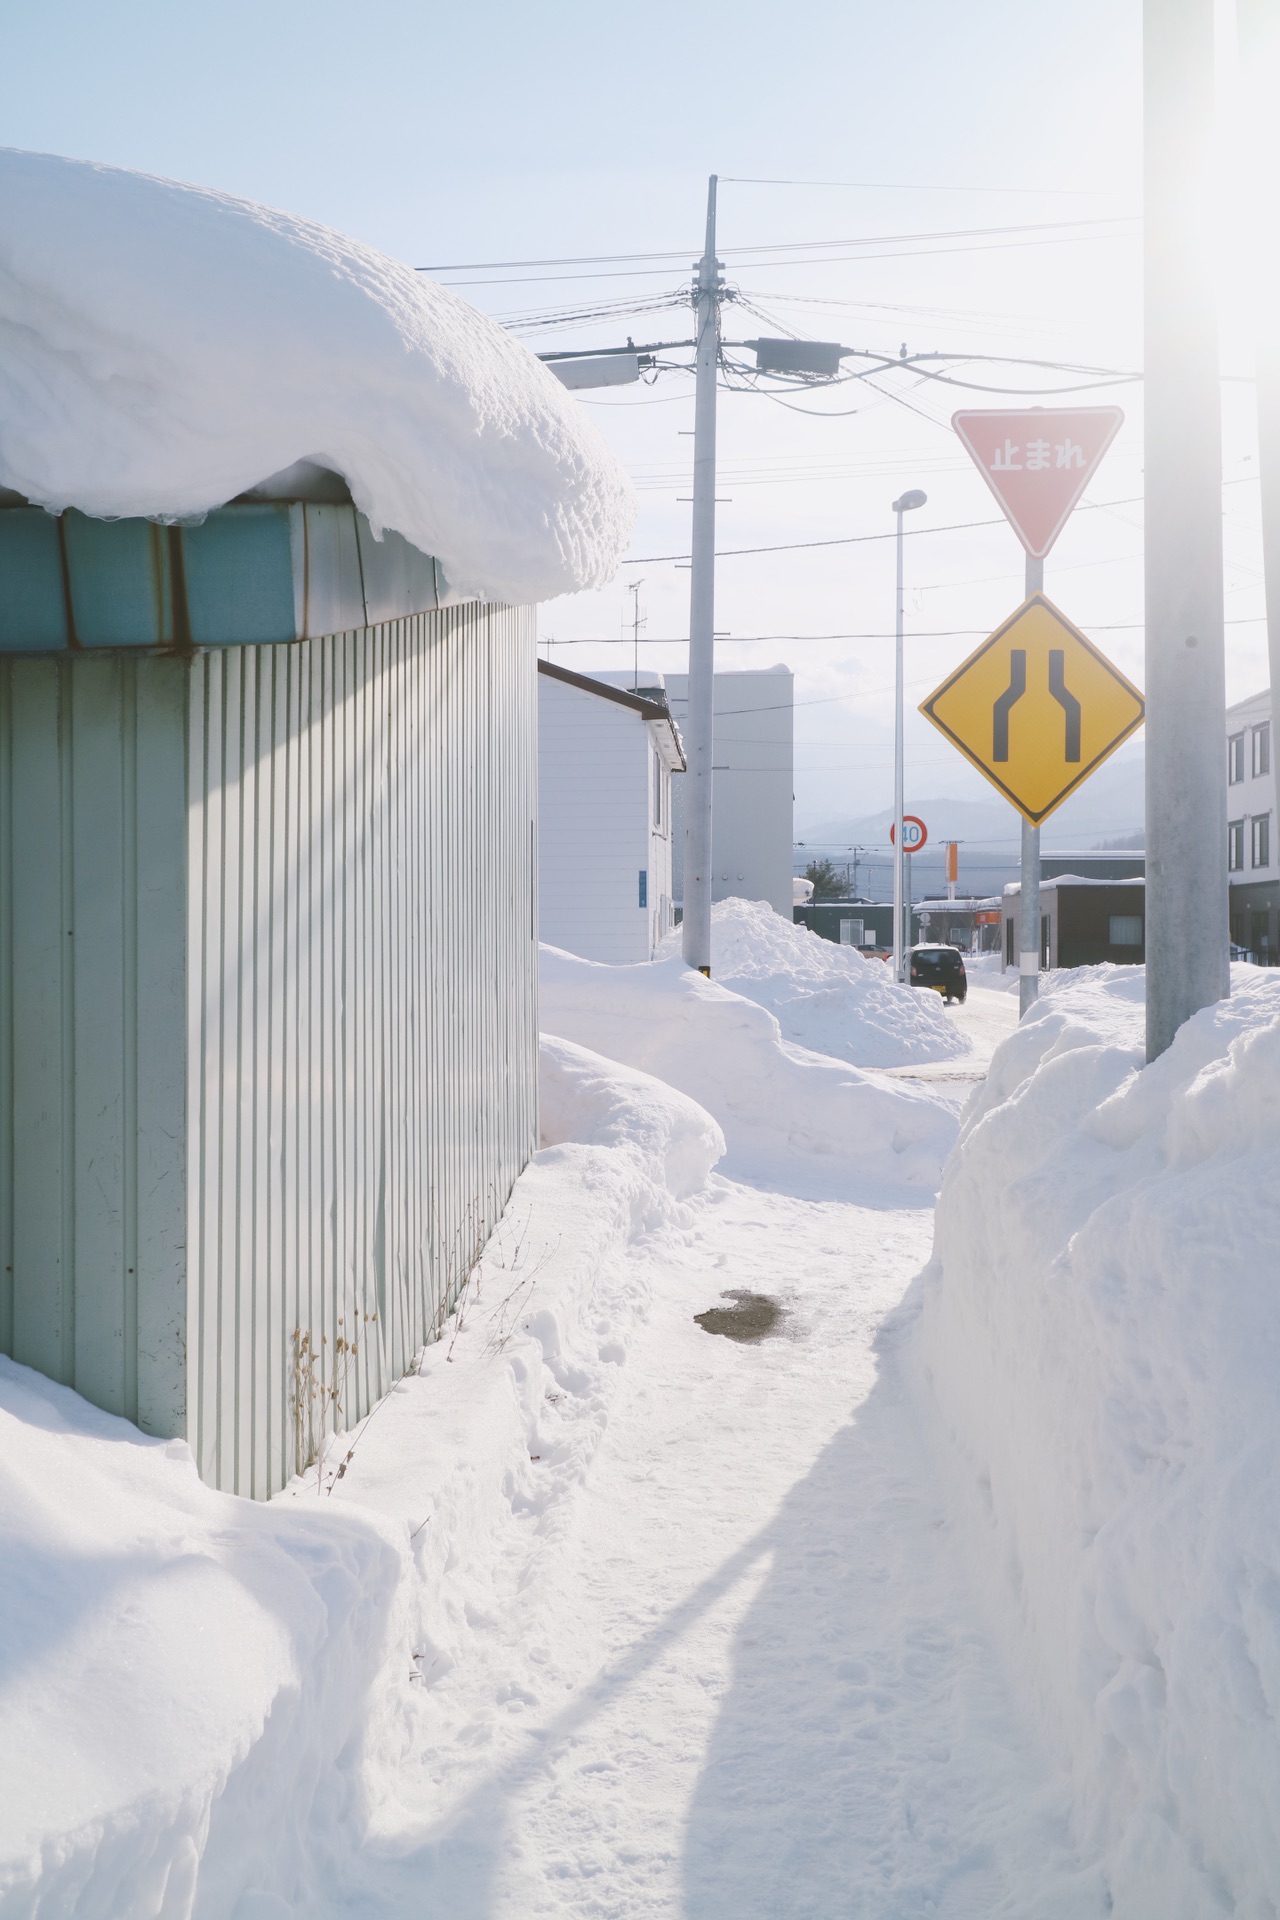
[[1262, 749], [1260, 838], [1235, 846], [1235, 759], [1126, 929]]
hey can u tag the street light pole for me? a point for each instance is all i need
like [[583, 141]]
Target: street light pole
[[696, 925], [907, 504], [1186, 931]]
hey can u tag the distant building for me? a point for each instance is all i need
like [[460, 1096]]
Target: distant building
[[866, 924], [972, 925], [1082, 922], [754, 782], [1252, 869], [606, 756]]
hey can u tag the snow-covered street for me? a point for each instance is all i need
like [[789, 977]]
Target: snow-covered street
[[748, 1679]]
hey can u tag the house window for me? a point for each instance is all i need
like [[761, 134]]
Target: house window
[[1260, 840], [1126, 930], [1235, 846], [657, 790], [644, 886], [1262, 751], [851, 933], [1235, 759]]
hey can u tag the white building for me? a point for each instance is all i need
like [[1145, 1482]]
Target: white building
[[605, 760], [753, 791], [1251, 828]]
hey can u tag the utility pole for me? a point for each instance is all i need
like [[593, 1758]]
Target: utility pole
[[1029, 893], [636, 624], [1259, 31], [1187, 914], [696, 926]]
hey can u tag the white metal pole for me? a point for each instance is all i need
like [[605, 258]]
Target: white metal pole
[[696, 929], [1187, 916], [1029, 897], [898, 945]]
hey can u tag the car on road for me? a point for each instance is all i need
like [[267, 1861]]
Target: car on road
[[941, 968]]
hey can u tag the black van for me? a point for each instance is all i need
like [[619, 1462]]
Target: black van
[[940, 968]]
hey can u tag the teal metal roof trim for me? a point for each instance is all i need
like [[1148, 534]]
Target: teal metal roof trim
[[248, 574]]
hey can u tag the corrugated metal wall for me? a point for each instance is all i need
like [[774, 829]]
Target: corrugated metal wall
[[290, 889], [93, 768], [362, 1088]]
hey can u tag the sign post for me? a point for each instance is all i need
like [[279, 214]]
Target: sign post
[[1037, 462]]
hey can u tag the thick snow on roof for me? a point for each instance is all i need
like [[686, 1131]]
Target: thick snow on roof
[[164, 348]]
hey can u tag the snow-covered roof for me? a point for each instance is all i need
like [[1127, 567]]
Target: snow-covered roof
[[164, 348]]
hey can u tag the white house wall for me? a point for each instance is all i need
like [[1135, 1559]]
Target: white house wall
[[752, 785], [596, 833], [268, 1017]]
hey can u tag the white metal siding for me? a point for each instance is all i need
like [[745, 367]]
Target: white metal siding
[[268, 1019], [594, 824]]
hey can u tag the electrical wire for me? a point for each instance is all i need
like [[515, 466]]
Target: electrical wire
[[860, 539], [900, 186], [777, 246]]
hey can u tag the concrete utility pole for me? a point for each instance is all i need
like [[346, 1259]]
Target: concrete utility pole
[[696, 925], [1259, 29], [1187, 917], [1029, 894]]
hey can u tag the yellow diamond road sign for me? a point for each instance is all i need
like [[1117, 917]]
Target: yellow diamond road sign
[[1036, 708]]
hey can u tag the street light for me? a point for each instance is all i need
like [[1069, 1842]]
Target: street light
[[907, 504]]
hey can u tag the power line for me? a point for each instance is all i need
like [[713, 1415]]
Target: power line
[[860, 539], [776, 246], [900, 186]]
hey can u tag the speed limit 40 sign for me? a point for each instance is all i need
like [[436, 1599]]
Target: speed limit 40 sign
[[914, 833]]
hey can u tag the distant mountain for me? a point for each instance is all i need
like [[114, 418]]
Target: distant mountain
[[1109, 806]]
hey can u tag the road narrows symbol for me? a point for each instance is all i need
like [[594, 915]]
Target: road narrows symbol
[[1009, 698], [1073, 708], [1067, 701]]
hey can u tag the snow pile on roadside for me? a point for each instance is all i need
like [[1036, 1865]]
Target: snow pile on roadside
[[174, 1664], [823, 996], [1102, 1327], [163, 348], [803, 1120], [209, 1699]]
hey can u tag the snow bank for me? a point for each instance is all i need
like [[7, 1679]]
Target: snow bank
[[823, 996], [164, 348], [181, 1672], [1102, 1326], [213, 1708], [790, 1116]]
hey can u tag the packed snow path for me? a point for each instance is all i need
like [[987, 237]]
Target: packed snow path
[[754, 1684], [744, 1676]]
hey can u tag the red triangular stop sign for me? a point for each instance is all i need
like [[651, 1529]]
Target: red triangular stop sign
[[1037, 462]]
